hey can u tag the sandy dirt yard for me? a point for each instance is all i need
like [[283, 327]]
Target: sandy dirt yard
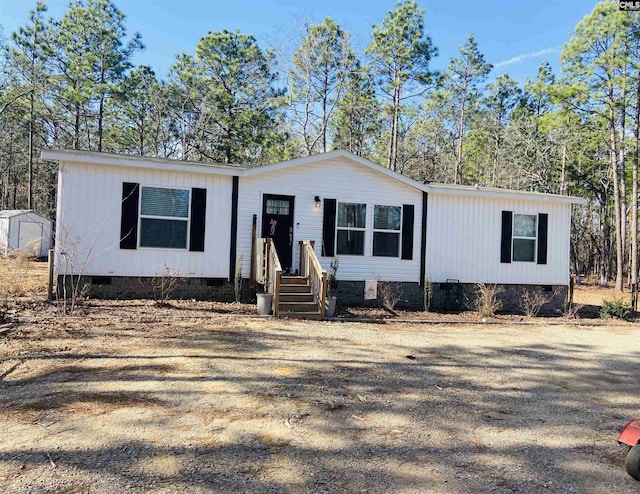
[[127, 397]]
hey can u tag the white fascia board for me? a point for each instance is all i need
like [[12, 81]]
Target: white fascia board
[[329, 156], [520, 195], [109, 159]]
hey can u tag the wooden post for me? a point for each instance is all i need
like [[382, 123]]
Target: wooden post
[[570, 294], [276, 294], [301, 243], [323, 294], [50, 285], [252, 267], [267, 264]]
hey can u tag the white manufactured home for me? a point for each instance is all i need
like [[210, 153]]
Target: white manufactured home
[[122, 219], [24, 230]]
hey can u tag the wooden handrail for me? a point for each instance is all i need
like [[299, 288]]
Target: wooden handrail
[[268, 269], [311, 268], [276, 270]]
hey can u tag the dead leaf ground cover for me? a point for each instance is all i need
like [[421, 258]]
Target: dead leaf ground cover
[[190, 398]]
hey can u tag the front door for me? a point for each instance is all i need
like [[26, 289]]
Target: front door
[[277, 223]]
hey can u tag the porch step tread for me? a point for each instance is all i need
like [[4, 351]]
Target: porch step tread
[[298, 307], [295, 289], [296, 297], [302, 315], [293, 280]]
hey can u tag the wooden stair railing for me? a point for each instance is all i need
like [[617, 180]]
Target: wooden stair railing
[[268, 270], [311, 269], [303, 296]]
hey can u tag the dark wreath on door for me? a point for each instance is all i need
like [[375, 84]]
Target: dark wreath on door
[[277, 224]]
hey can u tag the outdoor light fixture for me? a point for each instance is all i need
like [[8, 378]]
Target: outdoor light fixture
[[317, 199]]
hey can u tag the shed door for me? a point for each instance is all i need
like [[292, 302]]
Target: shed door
[[30, 237], [277, 223]]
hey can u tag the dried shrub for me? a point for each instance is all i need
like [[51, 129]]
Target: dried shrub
[[14, 276], [164, 284], [332, 280], [428, 293], [389, 293], [571, 310], [486, 302], [237, 279], [532, 300]]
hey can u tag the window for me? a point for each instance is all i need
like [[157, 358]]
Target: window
[[164, 217], [351, 226], [386, 230], [524, 237], [276, 206]]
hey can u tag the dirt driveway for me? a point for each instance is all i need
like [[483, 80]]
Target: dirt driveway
[[130, 397]]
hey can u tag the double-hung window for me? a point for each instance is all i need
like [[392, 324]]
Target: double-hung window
[[525, 227], [386, 230], [164, 217], [351, 227]]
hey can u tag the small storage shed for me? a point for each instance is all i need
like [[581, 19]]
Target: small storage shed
[[24, 230]]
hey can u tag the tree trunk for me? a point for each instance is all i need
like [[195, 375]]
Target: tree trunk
[[613, 157], [31, 130], [76, 128], [392, 163], [634, 197], [458, 173], [605, 252], [325, 122], [623, 174], [563, 174], [101, 111]]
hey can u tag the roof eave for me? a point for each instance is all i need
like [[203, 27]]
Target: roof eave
[[506, 194], [71, 156], [329, 156]]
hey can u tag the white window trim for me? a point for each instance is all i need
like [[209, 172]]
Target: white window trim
[[519, 237], [154, 217], [377, 230], [346, 229]]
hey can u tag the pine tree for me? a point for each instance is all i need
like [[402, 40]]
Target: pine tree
[[400, 54]]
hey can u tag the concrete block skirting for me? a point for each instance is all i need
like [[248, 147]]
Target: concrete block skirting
[[444, 296], [453, 296], [133, 287]]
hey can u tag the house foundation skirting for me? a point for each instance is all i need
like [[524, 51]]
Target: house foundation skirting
[[444, 296], [134, 287], [453, 296]]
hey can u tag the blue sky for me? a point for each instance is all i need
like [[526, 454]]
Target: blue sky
[[514, 35]]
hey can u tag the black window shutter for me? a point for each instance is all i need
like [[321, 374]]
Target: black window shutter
[[543, 223], [507, 233], [329, 228], [407, 231], [129, 216], [198, 219]]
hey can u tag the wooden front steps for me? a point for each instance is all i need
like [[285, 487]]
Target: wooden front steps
[[296, 299]]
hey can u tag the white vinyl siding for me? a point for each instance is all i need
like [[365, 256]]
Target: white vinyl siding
[[345, 181], [4, 235], [88, 226], [464, 235]]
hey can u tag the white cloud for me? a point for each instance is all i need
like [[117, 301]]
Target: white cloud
[[526, 56]]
